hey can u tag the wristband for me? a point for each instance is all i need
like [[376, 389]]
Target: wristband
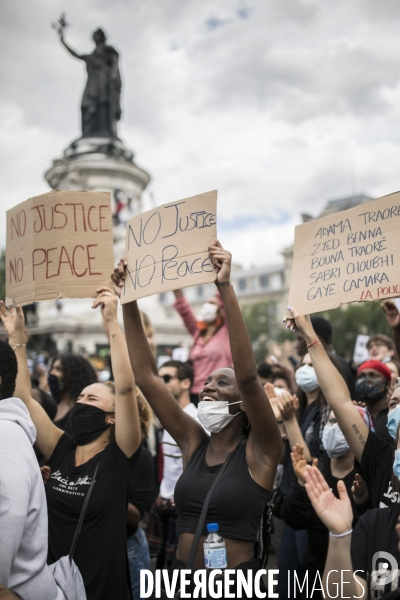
[[340, 535], [313, 343], [17, 345], [222, 283]]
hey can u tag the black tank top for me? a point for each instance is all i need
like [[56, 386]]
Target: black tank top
[[237, 503]]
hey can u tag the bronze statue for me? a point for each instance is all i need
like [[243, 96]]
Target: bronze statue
[[101, 108]]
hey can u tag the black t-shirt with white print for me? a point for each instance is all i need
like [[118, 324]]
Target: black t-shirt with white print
[[374, 551], [101, 550], [377, 471]]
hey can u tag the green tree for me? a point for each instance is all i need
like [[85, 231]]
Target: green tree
[[261, 322], [347, 322], [350, 320]]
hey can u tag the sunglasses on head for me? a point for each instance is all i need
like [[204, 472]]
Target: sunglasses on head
[[167, 378]]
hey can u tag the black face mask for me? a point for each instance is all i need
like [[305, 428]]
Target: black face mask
[[87, 423], [370, 389], [55, 387]]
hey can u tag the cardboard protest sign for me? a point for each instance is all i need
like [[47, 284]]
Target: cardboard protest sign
[[350, 256], [59, 245], [167, 248]]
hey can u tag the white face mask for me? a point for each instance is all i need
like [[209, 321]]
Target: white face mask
[[215, 416], [208, 312], [306, 378], [334, 441], [279, 391]]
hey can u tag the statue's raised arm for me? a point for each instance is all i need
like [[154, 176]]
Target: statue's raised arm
[[100, 106], [68, 47]]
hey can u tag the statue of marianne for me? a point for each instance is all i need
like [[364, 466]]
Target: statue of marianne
[[101, 107]]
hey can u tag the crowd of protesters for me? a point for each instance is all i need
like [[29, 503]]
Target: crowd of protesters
[[111, 464]]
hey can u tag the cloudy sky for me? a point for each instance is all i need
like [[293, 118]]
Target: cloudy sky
[[278, 104]]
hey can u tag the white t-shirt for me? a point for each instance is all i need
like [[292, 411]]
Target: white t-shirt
[[173, 459]]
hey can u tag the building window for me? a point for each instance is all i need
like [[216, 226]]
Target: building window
[[200, 291], [242, 284], [264, 281], [276, 281]]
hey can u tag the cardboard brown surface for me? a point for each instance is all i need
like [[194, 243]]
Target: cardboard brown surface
[[167, 248], [59, 245], [350, 256]]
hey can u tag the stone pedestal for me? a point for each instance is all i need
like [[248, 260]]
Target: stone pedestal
[[104, 165], [100, 164]]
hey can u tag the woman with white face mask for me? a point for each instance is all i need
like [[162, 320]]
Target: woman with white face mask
[[303, 420], [380, 469], [232, 401], [336, 463], [210, 349]]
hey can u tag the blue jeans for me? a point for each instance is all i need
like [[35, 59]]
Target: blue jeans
[[138, 558]]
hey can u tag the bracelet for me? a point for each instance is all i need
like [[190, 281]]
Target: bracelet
[[340, 535], [313, 343], [17, 345], [222, 283]]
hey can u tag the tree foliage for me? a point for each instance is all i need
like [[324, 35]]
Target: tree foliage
[[350, 320], [347, 322], [261, 322]]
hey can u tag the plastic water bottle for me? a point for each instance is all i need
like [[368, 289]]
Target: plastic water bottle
[[214, 549]]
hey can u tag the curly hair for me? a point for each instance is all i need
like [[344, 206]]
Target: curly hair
[[145, 413], [77, 373], [8, 370]]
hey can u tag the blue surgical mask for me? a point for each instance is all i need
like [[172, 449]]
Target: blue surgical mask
[[334, 441], [306, 378], [396, 464], [393, 421]]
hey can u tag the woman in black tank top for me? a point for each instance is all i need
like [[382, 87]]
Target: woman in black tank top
[[243, 492]]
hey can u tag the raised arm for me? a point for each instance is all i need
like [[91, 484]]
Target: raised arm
[[337, 516], [183, 307], [48, 434], [333, 387], [75, 54], [288, 406], [127, 424], [265, 443], [185, 430]]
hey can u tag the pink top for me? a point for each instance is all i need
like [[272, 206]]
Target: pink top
[[209, 356]]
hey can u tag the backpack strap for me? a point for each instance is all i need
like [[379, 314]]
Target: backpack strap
[[82, 515]]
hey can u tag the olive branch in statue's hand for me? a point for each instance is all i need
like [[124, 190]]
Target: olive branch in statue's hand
[[61, 25]]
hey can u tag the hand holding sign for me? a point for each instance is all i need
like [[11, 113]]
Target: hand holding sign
[[118, 276], [14, 323], [108, 301], [391, 312], [221, 260], [302, 323]]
